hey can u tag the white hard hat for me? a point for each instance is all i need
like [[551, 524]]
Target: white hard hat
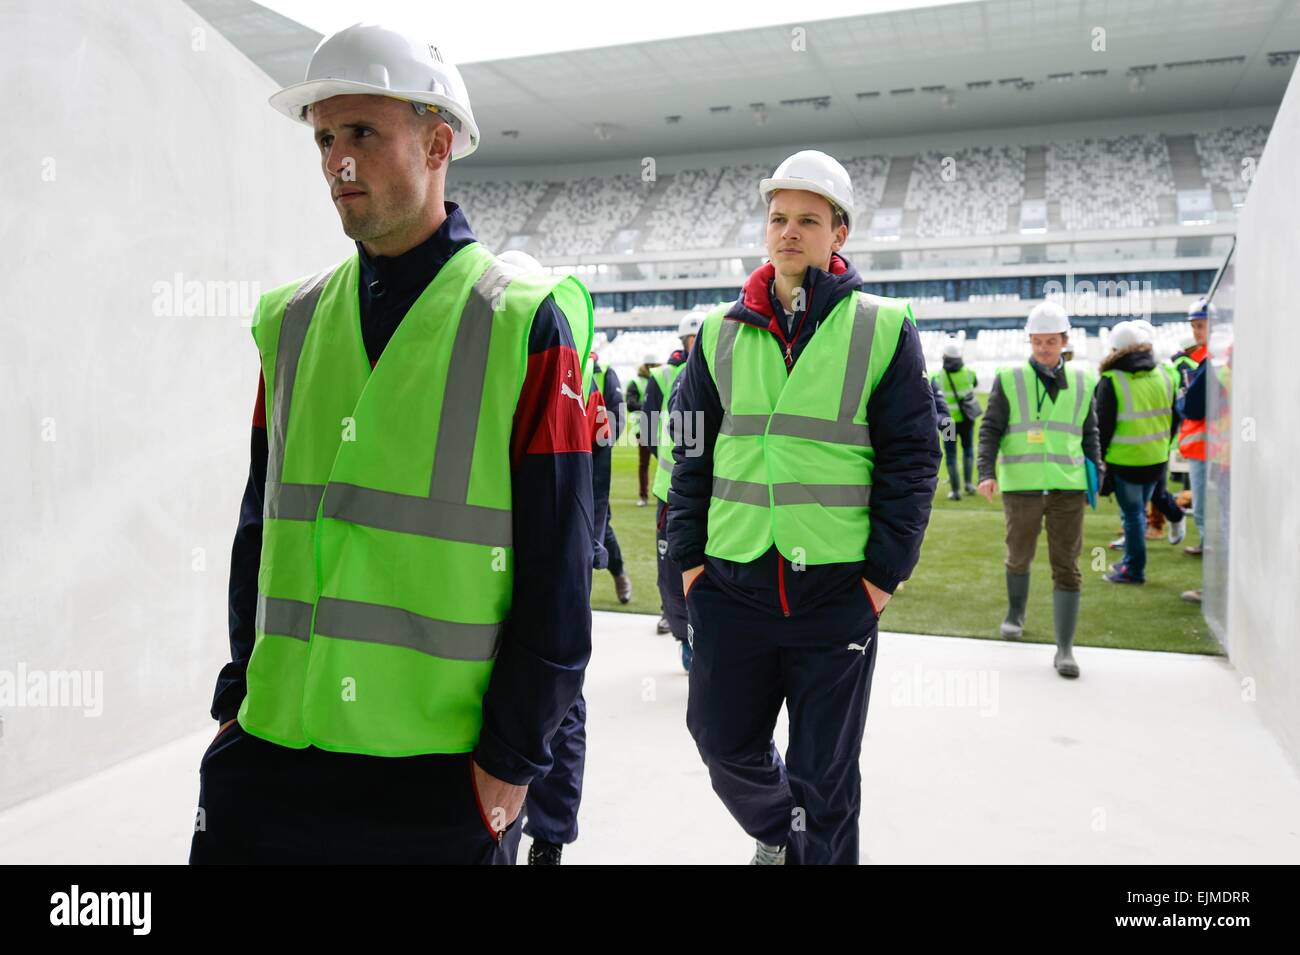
[[650, 358], [814, 171], [1145, 329], [520, 260], [1047, 317], [952, 348], [690, 324], [1125, 335], [370, 59], [1201, 309]]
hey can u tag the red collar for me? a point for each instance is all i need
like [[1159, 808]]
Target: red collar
[[754, 293]]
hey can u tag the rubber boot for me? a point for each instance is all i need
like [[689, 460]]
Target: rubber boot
[[1017, 599], [1065, 614]]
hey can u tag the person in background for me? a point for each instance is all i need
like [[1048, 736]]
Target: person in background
[[1040, 425], [1135, 416], [957, 383], [657, 408], [1192, 431], [606, 384], [636, 400]]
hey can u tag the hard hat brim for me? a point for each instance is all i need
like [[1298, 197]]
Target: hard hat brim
[[768, 186], [291, 101]]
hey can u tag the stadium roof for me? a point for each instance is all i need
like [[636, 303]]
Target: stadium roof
[[992, 64]]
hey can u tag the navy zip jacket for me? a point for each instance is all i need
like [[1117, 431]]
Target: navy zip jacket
[[904, 433], [547, 641]]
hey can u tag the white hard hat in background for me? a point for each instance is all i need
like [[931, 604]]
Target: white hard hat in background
[[1145, 330], [814, 171], [1125, 335], [1201, 309], [690, 324], [520, 260], [1047, 317], [650, 358], [952, 348], [370, 59]]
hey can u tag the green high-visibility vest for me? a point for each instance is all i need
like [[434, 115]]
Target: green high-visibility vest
[[600, 382], [1042, 447], [964, 379], [665, 375], [1144, 404], [635, 417], [793, 459], [387, 558]]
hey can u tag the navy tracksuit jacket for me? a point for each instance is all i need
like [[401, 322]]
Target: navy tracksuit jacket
[[268, 802]]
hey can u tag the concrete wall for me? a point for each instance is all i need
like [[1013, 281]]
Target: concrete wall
[[140, 146], [1264, 572]]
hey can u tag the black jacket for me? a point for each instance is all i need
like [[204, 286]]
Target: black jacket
[[904, 433], [1135, 358]]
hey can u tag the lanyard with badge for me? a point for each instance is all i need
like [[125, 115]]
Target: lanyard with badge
[[1037, 435]]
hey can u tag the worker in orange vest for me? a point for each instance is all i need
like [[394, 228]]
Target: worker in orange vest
[[1191, 435]]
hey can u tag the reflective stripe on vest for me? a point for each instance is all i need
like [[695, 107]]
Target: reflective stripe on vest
[[771, 466], [665, 375], [1039, 453], [395, 601], [964, 379], [1142, 428]]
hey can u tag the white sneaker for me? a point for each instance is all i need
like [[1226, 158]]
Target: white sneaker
[[768, 855], [1177, 531]]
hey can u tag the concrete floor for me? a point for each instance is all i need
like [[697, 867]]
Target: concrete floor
[[975, 751]]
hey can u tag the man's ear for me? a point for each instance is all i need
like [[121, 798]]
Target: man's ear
[[438, 152], [841, 236]]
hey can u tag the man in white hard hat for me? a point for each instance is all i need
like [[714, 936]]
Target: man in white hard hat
[[958, 384], [635, 395], [797, 515], [657, 410], [409, 582], [1040, 424]]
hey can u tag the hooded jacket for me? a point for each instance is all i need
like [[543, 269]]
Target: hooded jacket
[[1133, 358]]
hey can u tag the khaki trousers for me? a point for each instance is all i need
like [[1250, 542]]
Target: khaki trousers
[[1063, 513]]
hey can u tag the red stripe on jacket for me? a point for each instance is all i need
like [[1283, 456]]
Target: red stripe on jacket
[[551, 417]]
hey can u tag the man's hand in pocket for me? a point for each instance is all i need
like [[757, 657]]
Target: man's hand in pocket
[[878, 597], [688, 577]]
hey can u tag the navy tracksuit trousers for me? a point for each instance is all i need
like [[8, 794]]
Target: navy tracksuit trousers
[[670, 577], [265, 803], [551, 809], [748, 662]]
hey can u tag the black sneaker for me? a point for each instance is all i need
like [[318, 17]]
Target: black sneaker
[[662, 626], [544, 853], [954, 496]]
